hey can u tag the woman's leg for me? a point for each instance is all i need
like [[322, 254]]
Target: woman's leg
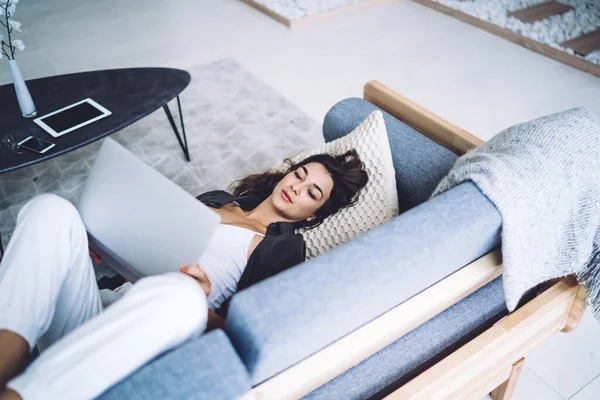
[[156, 314], [14, 351], [47, 282]]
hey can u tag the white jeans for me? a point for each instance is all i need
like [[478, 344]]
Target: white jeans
[[49, 296]]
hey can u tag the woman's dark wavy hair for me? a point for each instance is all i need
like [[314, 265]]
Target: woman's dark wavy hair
[[346, 170]]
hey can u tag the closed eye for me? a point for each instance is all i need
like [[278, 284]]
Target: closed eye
[[311, 194]]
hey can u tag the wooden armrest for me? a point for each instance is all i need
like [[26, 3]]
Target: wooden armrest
[[338, 357], [427, 123], [579, 306]]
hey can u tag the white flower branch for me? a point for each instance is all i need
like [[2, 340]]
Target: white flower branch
[[7, 9], [4, 52]]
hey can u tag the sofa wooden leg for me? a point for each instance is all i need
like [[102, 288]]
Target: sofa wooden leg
[[506, 390]]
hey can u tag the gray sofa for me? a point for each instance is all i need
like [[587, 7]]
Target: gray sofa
[[274, 325]]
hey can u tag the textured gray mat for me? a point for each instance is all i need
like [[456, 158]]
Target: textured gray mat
[[236, 125]]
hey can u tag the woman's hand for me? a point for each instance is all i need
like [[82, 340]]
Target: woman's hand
[[199, 276]]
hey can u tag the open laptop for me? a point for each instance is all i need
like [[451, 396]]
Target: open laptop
[[136, 214]]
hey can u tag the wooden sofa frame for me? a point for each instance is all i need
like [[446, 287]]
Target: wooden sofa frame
[[491, 362]]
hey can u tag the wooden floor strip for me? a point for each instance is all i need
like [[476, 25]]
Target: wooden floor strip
[[585, 44], [541, 11]]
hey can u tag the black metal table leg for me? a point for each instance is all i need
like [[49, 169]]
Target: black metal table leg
[[183, 143]]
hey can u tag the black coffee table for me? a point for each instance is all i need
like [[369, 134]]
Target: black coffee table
[[130, 94]]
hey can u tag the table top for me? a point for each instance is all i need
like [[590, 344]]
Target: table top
[[130, 94]]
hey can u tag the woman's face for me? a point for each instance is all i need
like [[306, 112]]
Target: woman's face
[[302, 192]]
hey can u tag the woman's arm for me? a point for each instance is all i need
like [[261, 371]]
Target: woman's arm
[[198, 274], [272, 256], [214, 321]]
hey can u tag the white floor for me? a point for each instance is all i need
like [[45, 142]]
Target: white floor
[[478, 81]]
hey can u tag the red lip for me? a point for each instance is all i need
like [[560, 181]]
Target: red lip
[[286, 196]]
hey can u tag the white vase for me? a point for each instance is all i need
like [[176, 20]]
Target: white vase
[[25, 102]]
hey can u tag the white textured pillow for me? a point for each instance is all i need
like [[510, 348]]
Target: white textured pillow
[[378, 200]]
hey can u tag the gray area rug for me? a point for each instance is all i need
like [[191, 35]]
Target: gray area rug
[[236, 125]]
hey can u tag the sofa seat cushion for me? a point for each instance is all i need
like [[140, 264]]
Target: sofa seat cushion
[[420, 163], [205, 367], [284, 319], [418, 350]]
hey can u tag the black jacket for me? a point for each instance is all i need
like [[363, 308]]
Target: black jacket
[[279, 250]]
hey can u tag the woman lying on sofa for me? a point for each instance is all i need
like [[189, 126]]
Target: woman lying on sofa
[[49, 296]]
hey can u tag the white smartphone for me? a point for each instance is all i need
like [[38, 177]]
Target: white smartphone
[[72, 117], [36, 145]]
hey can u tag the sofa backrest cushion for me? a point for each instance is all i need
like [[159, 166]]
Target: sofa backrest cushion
[[420, 163], [284, 319], [205, 367]]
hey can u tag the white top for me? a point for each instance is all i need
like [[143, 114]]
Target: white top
[[224, 261]]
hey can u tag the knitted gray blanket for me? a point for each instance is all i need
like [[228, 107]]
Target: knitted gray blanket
[[543, 176]]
